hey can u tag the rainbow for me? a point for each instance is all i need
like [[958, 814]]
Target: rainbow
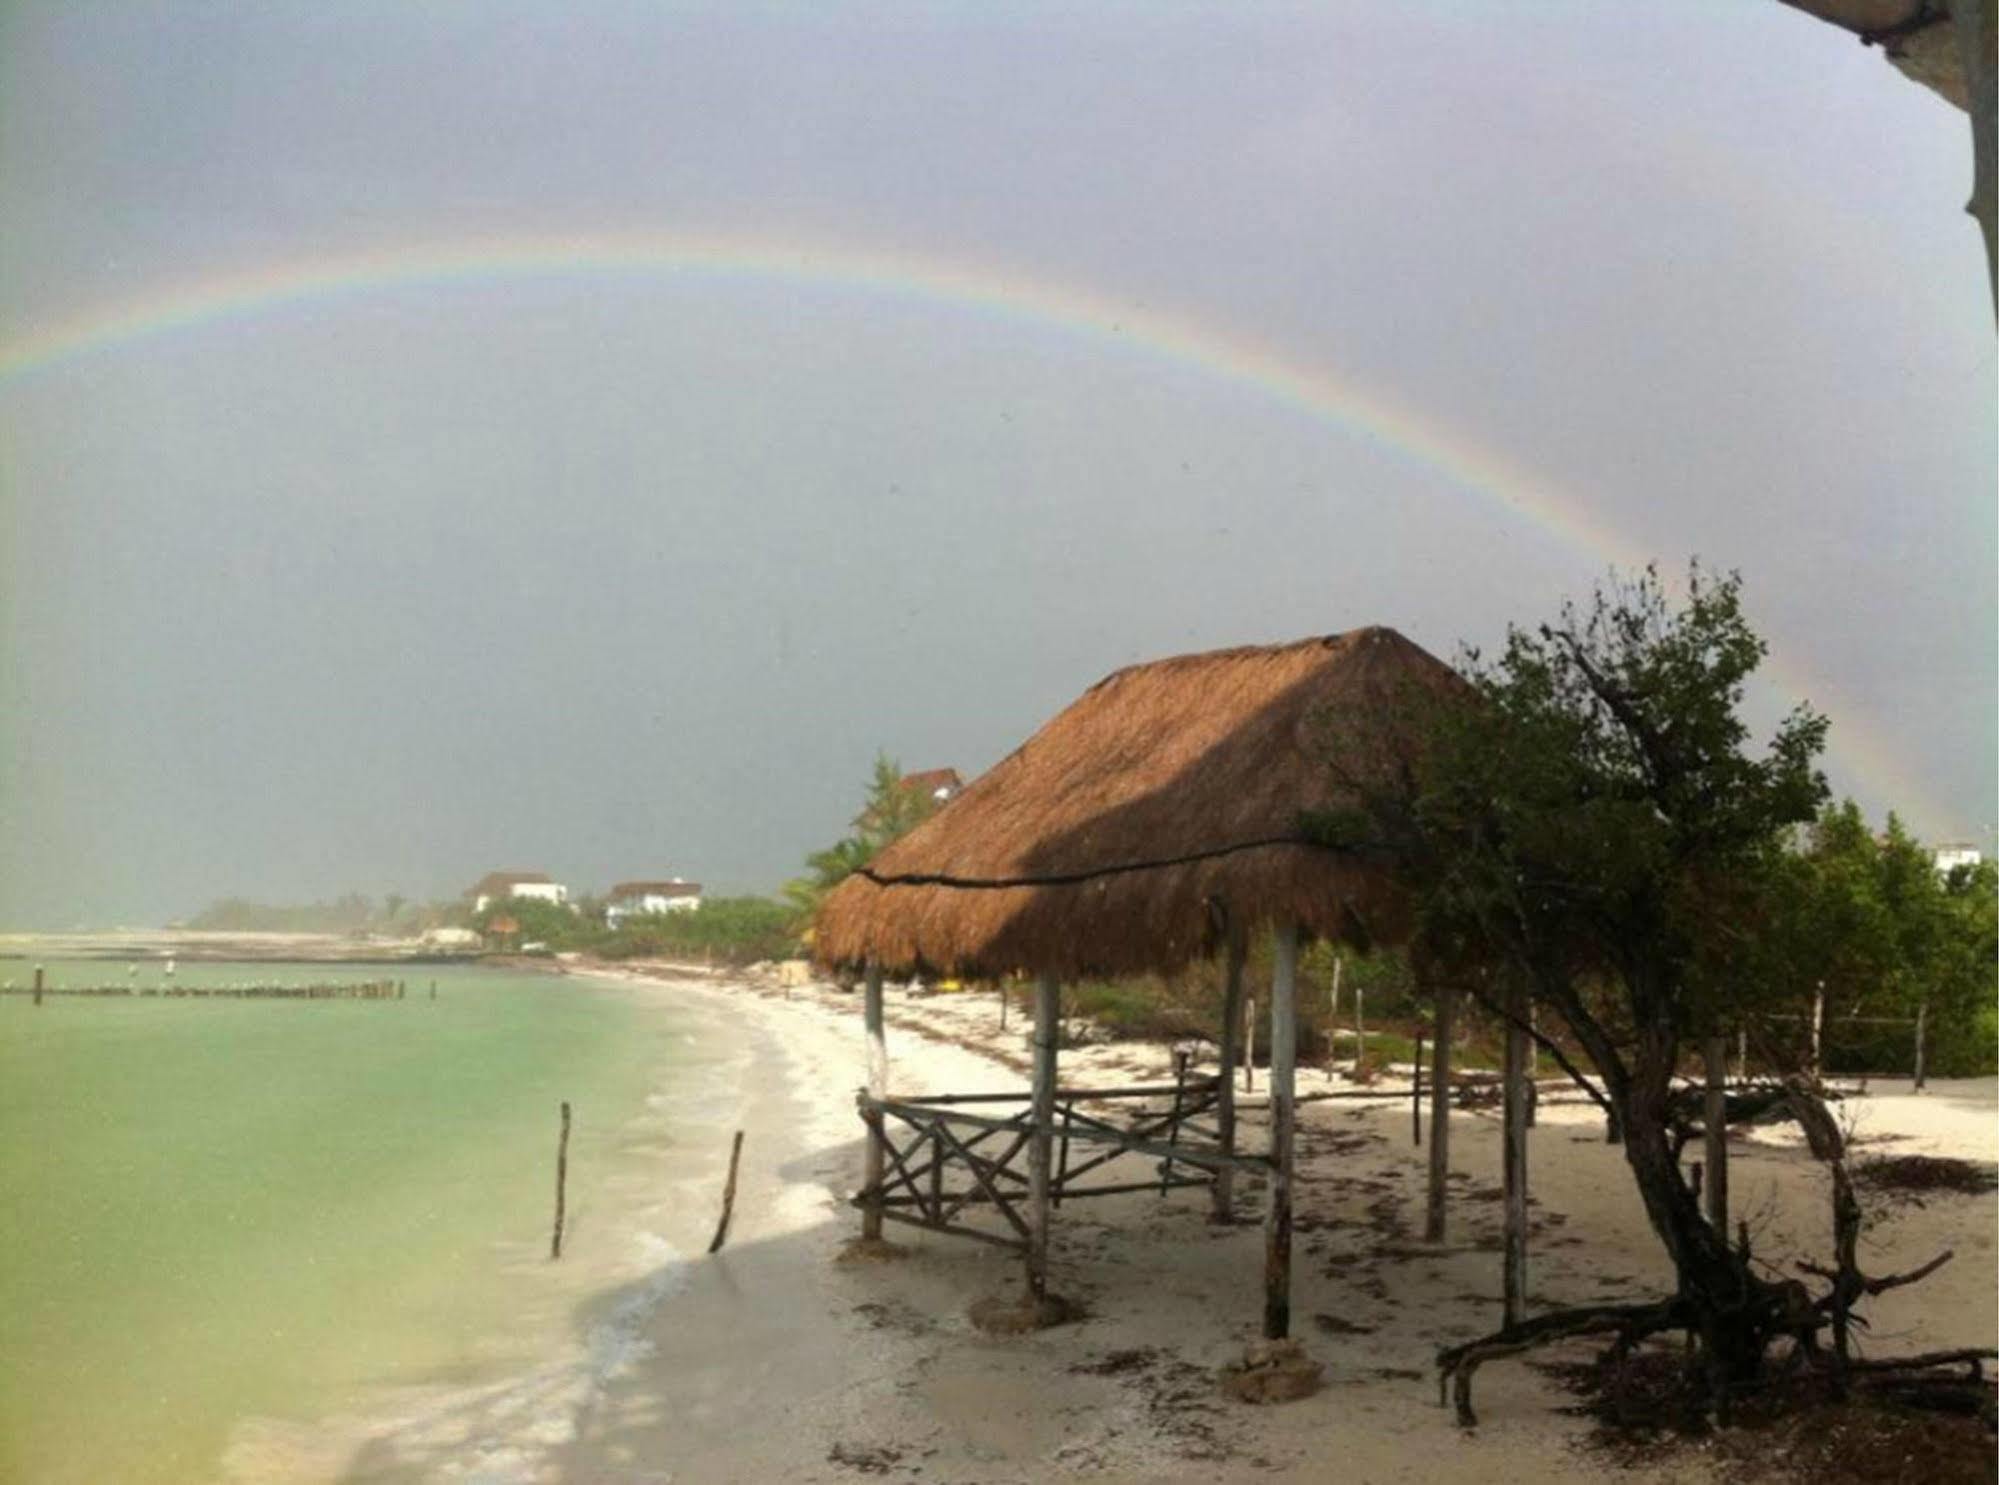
[[963, 288]]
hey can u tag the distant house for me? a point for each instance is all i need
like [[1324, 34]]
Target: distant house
[[1955, 853], [636, 899], [941, 784], [449, 938], [495, 886]]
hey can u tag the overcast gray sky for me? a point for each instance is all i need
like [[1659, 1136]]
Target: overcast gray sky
[[615, 569]]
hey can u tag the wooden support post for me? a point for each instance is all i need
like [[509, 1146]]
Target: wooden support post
[[875, 1160], [1223, 1190], [1249, 1046], [1333, 1018], [1416, 1095], [1818, 1030], [1359, 1030], [1434, 1224], [1533, 1067], [561, 1183], [1922, 1025], [1714, 1121], [1514, 1159], [1283, 1111], [1173, 1129], [1047, 1017], [1742, 1055], [1003, 995]]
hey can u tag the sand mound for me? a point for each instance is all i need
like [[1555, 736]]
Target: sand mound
[[1272, 1372], [1019, 1314]]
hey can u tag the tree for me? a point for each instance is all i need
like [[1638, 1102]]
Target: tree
[[891, 811], [1587, 827], [537, 920]]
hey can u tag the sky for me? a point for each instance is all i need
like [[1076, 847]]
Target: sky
[[446, 438]]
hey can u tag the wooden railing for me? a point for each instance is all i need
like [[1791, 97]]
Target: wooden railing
[[945, 1159]]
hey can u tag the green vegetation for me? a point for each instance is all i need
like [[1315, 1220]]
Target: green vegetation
[[729, 930], [1589, 830], [891, 811], [724, 930], [1867, 917]]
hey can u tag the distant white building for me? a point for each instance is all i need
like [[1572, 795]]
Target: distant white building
[[1953, 854], [636, 899], [450, 938], [496, 885]]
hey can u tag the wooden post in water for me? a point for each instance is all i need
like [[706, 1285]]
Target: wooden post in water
[[38, 984], [1047, 1030], [433, 989], [1714, 1121], [875, 1161], [561, 1183], [1283, 1090], [1222, 1193], [1434, 1220], [1514, 1159], [728, 1195]]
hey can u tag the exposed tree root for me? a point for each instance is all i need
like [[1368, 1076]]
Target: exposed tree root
[[1734, 1333], [1629, 1323]]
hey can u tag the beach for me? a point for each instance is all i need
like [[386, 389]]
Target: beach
[[377, 1303], [775, 1360]]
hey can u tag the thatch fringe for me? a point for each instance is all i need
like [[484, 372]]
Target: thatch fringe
[[1109, 841]]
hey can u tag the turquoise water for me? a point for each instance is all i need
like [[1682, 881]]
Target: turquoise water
[[220, 1210]]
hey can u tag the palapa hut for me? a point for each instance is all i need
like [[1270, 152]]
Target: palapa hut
[[1156, 821]]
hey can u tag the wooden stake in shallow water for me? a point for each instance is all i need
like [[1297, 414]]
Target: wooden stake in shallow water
[[38, 984], [728, 1196], [561, 1182]]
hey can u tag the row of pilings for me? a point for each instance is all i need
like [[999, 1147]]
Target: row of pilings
[[328, 990]]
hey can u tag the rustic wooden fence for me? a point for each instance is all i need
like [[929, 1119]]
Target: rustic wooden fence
[[953, 1155]]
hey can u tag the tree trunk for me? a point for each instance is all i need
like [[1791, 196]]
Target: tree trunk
[[1714, 1281]]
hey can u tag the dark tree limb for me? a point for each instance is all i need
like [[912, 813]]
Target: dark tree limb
[[1869, 1286], [1629, 1323]]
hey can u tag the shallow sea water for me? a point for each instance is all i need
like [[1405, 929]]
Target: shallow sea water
[[241, 1239]]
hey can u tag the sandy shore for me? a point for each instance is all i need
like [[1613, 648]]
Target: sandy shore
[[773, 1361]]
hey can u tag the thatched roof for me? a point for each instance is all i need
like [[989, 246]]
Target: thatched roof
[[1103, 844]]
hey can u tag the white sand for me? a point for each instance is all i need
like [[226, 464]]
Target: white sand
[[774, 1363]]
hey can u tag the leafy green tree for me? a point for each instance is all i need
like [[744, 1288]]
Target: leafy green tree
[[1589, 825], [891, 811], [1865, 919], [539, 921]]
